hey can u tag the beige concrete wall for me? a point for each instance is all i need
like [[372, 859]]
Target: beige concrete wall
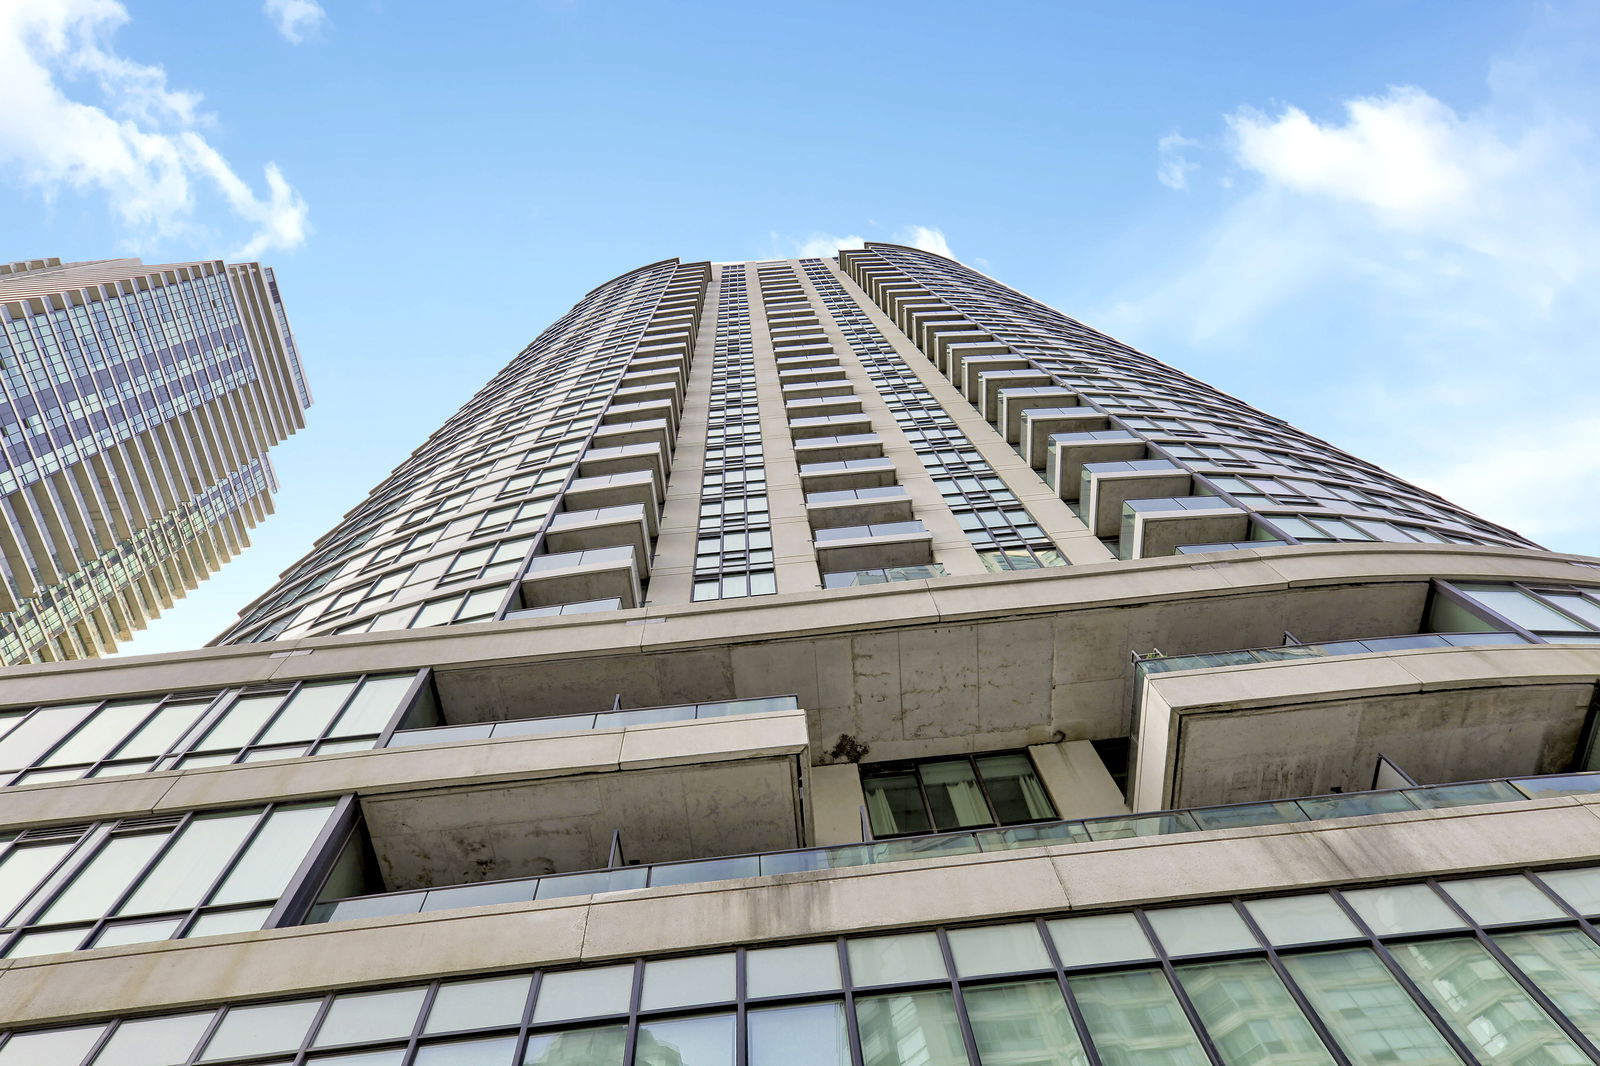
[[1078, 782], [836, 802]]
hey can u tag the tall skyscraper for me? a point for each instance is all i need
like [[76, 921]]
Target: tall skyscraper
[[833, 662], [137, 404]]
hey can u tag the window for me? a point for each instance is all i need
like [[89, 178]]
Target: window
[[960, 792]]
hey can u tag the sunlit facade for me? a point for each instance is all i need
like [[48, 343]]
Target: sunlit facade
[[137, 404], [833, 662]]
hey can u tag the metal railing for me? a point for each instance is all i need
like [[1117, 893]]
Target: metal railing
[[964, 842]]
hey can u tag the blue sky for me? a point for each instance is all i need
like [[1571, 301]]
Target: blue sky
[[1377, 220]]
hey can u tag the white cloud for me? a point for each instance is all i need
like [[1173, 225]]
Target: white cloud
[[1418, 278], [825, 245], [1173, 167], [297, 20], [140, 147]]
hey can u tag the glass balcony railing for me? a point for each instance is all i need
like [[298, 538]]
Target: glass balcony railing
[[569, 723], [1169, 663], [967, 842]]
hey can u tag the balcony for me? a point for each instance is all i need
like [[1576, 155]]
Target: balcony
[[1107, 486], [1068, 452], [1253, 725], [970, 378], [828, 425], [1039, 424], [809, 370], [801, 390], [574, 577], [628, 524], [1305, 809], [873, 546], [822, 405], [858, 507], [1155, 527], [951, 349], [847, 474], [621, 414], [1012, 404], [992, 383], [837, 449], [655, 431], [615, 490], [658, 392], [628, 458]]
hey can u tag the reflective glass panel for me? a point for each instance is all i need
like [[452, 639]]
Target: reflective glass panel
[[885, 960], [1488, 1010], [1014, 789], [161, 732], [1199, 930], [375, 704], [1402, 909], [27, 742], [603, 1046], [687, 982], [155, 1041], [262, 1030], [1565, 965], [1023, 1024], [1580, 888], [97, 885], [189, 867], [98, 735], [489, 1051], [1502, 899], [1250, 1016], [706, 1040], [1099, 938], [360, 1017], [478, 1004], [272, 856], [919, 1027], [1134, 1017], [1367, 1011], [310, 711], [583, 993], [812, 1035], [1301, 919], [52, 1047], [22, 869], [782, 971], [894, 802], [241, 721], [998, 949]]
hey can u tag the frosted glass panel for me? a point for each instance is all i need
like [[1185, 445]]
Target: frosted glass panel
[[812, 1035], [478, 1004], [1198, 930], [998, 949], [883, 960], [191, 865], [262, 1030], [1099, 939], [155, 1041], [783, 971], [583, 993], [1403, 909], [687, 982], [270, 860], [360, 1017]]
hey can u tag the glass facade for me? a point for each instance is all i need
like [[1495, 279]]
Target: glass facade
[[136, 407], [65, 742], [142, 879], [1493, 970]]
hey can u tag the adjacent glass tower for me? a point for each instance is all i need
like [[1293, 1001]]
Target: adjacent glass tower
[[833, 662], [137, 404]]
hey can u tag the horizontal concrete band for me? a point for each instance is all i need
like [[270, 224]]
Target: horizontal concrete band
[[1135, 584], [387, 771], [1073, 877]]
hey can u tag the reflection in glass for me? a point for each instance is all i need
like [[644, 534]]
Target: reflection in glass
[[1133, 1017], [1023, 1024], [706, 1040], [811, 1035], [1373, 1019], [603, 1046], [1402, 909], [914, 1027], [490, 1051], [886, 960], [1251, 1017], [1565, 965], [1485, 1006]]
